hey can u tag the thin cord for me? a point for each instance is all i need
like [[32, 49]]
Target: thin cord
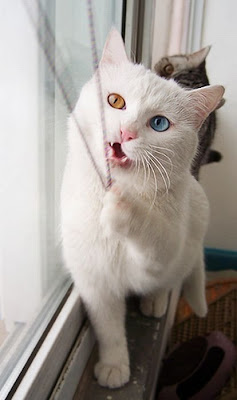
[[99, 90], [48, 44]]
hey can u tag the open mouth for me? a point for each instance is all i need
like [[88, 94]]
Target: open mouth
[[117, 156]]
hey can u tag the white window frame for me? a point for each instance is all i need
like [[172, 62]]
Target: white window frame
[[30, 338], [39, 380]]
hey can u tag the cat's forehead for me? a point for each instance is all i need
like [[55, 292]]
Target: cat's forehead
[[138, 85], [176, 60]]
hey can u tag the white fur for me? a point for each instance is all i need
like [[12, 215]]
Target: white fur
[[146, 234]]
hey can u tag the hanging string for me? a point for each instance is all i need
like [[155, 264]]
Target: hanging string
[[99, 89], [49, 46]]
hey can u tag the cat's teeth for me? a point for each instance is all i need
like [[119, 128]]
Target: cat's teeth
[[111, 144], [124, 159]]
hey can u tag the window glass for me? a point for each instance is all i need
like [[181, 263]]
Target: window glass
[[32, 155]]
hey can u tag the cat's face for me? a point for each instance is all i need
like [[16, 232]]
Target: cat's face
[[151, 123], [167, 67]]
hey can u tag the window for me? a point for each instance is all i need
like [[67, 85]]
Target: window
[[33, 282]]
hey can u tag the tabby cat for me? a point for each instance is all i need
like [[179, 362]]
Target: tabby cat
[[189, 71]]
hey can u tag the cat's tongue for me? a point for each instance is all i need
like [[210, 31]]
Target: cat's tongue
[[118, 152], [117, 155]]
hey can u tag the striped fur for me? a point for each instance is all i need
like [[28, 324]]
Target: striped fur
[[189, 71]]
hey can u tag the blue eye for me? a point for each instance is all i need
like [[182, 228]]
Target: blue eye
[[159, 123]]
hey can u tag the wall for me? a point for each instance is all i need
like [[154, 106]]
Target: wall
[[207, 22], [219, 180]]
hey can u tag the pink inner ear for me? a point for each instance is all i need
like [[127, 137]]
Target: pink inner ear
[[114, 50], [205, 100]]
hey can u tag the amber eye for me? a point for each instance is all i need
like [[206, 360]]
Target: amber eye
[[116, 101], [169, 69]]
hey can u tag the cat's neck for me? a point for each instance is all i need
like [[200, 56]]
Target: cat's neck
[[178, 187]]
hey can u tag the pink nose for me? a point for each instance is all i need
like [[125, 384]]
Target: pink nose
[[127, 135]]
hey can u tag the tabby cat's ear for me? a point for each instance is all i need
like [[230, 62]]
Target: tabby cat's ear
[[203, 101], [195, 59], [114, 50]]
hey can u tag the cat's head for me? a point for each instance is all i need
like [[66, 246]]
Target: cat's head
[[151, 123], [168, 66]]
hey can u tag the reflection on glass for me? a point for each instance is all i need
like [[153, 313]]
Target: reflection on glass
[[32, 155]]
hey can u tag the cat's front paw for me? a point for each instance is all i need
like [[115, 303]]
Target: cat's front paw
[[112, 376], [116, 214]]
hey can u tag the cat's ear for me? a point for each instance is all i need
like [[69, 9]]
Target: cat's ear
[[203, 101], [114, 50], [195, 59]]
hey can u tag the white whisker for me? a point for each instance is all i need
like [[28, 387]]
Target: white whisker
[[170, 164], [166, 173], [161, 173], [164, 155], [161, 148], [155, 180], [145, 180], [147, 159], [137, 167]]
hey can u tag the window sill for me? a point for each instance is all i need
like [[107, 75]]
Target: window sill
[[40, 377], [147, 338]]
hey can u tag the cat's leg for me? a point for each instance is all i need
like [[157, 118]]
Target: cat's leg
[[194, 289], [108, 319], [155, 305]]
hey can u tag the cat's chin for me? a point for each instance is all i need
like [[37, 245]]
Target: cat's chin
[[123, 162]]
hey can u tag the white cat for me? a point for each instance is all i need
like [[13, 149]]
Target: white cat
[[145, 235]]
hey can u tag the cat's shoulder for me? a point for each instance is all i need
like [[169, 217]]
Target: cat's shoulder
[[197, 194]]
